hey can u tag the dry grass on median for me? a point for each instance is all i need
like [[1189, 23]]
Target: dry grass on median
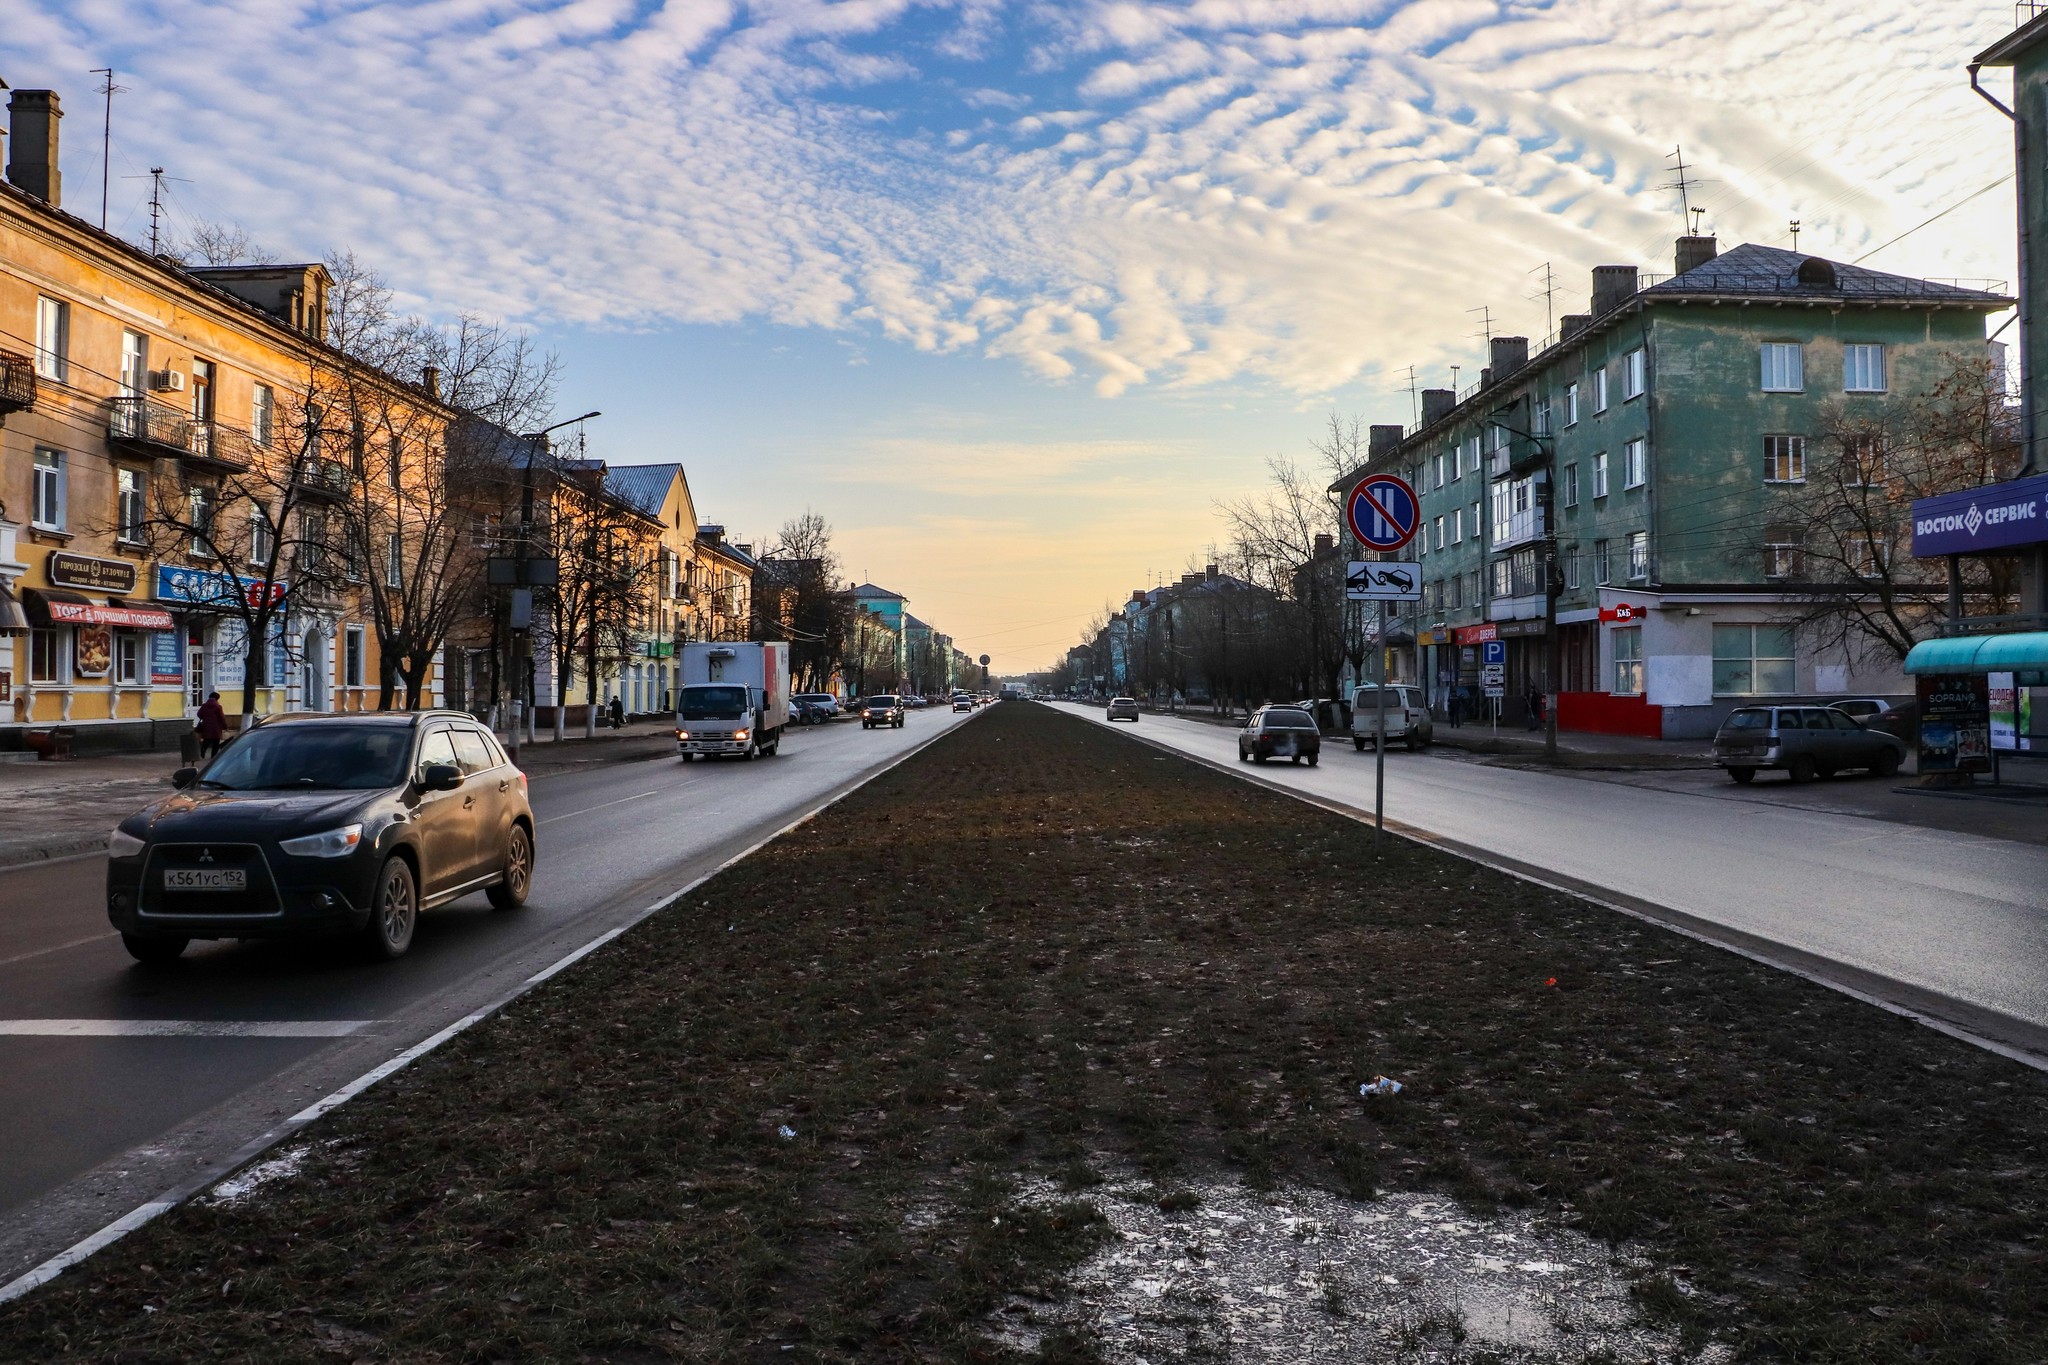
[[1039, 952]]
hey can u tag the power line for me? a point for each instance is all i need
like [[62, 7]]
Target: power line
[[1977, 194]]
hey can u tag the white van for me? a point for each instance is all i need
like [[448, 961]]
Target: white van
[[1407, 717]]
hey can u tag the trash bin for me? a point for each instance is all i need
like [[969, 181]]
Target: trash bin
[[188, 748]]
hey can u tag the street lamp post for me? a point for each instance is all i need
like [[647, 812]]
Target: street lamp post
[[519, 602]]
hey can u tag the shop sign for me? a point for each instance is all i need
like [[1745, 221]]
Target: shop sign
[[1979, 520], [1623, 612], [1955, 723], [166, 658], [1473, 635], [203, 588], [67, 570], [1509, 630]]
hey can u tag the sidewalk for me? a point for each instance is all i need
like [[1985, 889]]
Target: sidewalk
[[55, 810]]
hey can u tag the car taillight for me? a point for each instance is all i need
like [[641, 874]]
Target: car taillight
[[522, 781]]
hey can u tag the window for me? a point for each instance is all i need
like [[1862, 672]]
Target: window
[[53, 339], [1571, 404], [262, 414], [1600, 390], [1478, 526], [1784, 459], [1781, 552], [1628, 661], [204, 504], [1602, 564], [1635, 464], [1472, 456], [1752, 661], [129, 512], [128, 657], [1569, 479], [1863, 369], [312, 543], [202, 390], [46, 498], [394, 464], [1571, 570], [1457, 525], [1600, 475], [1540, 421], [1783, 369], [45, 657], [1439, 533], [1867, 557], [1638, 555], [1862, 461], [262, 536], [352, 657], [134, 363], [1457, 465], [1472, 597], [1633, 375], [1440, 462], [394, 561], [358, 555]]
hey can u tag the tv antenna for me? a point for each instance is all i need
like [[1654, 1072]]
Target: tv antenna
[[109, 89], [1795, 234], [1548, 291], [1485, 322], [1697, 215], [1684, 184], [157, 179], [1414, 399]]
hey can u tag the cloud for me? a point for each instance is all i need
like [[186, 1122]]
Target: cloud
[[1297, 194]]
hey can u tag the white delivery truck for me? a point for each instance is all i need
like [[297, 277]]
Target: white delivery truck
[[734, 699]]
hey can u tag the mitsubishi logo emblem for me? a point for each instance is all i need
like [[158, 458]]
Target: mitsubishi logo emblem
[[205, 855]]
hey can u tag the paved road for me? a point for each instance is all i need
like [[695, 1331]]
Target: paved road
[[1951, 923], [171, 1070]]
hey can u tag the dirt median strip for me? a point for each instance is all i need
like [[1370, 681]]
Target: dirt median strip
[[818, 1105]]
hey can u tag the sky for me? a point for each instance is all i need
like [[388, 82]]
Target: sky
[[1015, 294]]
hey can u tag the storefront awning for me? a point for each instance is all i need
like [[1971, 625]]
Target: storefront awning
[[55, 607], [13, 621], [2023, 652]]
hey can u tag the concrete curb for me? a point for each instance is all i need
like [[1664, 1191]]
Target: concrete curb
[[52, 850]]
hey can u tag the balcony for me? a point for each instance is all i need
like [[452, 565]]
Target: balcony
[[323, 481], [217, 449], [1520, 527], [139, 427], [17, 383]]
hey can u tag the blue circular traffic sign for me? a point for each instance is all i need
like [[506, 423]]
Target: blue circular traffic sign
[[1383, 512]]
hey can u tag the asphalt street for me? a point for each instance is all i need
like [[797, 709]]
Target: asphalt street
[[118, 1081], [1951, 924]]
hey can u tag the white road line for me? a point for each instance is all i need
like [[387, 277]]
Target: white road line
[[588, 809], [184, 1028], [56, 948], [121, 1227]]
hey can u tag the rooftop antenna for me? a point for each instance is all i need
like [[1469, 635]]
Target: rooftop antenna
[[1795, 234], [109, 89], [1683, 184], [1697, 215], [1485, 322], [1549, 292], [156, 201], [1414, 400], [1454, 377]]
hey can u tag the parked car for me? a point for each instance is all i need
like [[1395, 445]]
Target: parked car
[[1900, 721], [1121, 708], [881, 710], [823, 701], [1280, 732], [804, 711], [963, 703], [1864, 709], [318, 824], [1804, 741], [1407, 716]]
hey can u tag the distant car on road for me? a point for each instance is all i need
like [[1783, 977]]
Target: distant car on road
[[1280, 732], [1121, 708], [963, 703], [886, 709], [1407, 717], [319, 824], [1804, 741]]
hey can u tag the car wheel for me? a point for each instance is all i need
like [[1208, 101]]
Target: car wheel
[[1803, 769], [394, 912], [747, 754], [1258, 758], [1744, 776], [1294, 759], [510, 893], [689, 758], [1410, 743], [153, 950], [1313, 759], [1887, 764], [1358, 744]]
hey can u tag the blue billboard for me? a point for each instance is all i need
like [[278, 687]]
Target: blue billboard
[[2000, 516]]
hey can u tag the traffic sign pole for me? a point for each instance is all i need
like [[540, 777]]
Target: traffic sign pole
[[1379, 747]]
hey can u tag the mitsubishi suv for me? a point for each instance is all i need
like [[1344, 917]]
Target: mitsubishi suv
[[324, 824]]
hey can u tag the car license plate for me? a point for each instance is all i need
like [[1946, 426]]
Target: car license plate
[[206, 879]]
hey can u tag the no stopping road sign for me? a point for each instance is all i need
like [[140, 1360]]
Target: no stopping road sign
[[1383, 512]]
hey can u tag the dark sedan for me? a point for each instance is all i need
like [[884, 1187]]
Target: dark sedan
[[883, 710], [311, 825], [1280, 732]]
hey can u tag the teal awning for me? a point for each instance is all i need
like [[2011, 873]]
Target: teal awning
[[2024, 652]]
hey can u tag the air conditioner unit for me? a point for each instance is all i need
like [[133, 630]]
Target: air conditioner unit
[[172, 381]]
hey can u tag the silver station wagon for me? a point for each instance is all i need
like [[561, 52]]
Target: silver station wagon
[[1804, 741]]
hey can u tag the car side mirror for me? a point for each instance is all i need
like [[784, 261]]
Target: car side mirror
[[185, 777], [440, 777]]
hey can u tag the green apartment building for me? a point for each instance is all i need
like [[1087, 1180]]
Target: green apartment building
[[1640, 456]]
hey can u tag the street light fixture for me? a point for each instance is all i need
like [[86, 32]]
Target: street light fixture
[[522, 592]]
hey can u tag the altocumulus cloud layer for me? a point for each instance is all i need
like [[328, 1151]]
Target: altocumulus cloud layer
[[1289, 193]]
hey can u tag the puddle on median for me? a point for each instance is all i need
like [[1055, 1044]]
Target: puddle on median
[[1307, 1276]]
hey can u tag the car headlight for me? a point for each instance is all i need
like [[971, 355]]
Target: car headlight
[[740, 734], [333, 843], [122, 844], [682, 734]]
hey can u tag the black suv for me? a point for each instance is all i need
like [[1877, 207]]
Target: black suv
[[319, 824], [883, 710]]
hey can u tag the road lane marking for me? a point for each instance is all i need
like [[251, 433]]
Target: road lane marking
[[256, 1147], [183, 1028], [56, 948], [571, 815]]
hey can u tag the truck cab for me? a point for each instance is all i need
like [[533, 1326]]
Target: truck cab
[[734, 700]]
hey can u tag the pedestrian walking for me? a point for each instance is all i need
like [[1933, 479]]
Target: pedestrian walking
[[1459, 697], [1535, 700], [212, 725], [618, 714]]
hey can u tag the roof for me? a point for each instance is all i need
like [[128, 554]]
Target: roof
[[2026, 651], [912, 623], [1752, 271], [871, 590], [644, 486], [2023, 39]]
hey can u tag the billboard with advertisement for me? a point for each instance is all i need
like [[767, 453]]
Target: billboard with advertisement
[[166, 658], [1955, 723]]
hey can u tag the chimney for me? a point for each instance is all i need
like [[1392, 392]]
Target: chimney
[[430, 380], [1437, 405], [1137, 597], [1190, 580], [1694, 252], [1613, 285], [1325, 542], [1486, 377], [1211, 571], [1508, 355], [1571, 324], [1383, 440], [32, 168]]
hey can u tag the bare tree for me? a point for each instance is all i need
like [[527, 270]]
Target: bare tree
[[609, 570], [797, 599], [208, 243], [1839, 532], [1278, 539]]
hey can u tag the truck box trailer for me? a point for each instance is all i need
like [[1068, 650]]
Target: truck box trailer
[[734, 699]]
